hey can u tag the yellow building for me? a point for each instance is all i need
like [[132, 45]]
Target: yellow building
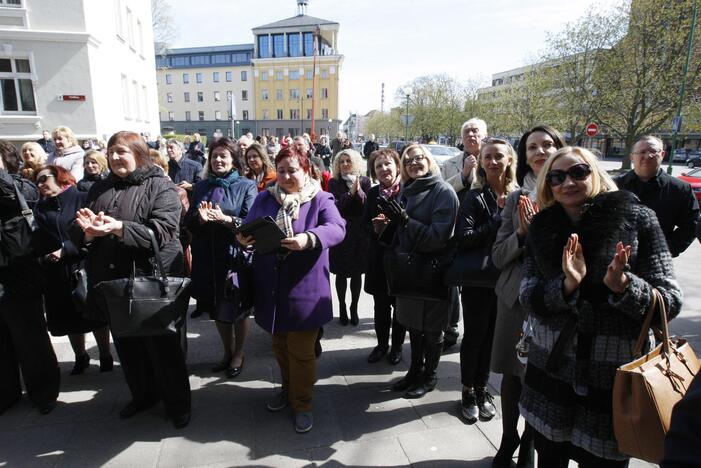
[[286, 84]]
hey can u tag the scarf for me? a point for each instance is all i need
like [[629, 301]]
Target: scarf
[[529, 186], [391, 191], [349, 179], [218, 187], [291, 202]]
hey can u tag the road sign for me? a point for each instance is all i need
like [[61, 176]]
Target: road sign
[[592, 129], [677, 124], [405, 117]]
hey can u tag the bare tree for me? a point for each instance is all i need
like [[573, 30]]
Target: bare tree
[[163, 29]]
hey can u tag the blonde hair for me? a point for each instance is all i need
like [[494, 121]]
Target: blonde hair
[[67, 133], [159, 159], [433, 168], [356, 162], [99, 158], [600, 180], [510, 177], [36, 149]]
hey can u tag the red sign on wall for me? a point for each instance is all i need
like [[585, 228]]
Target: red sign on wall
[[592, 129], [72, 97]]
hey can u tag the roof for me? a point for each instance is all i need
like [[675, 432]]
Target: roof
[[295, 22], [210, 49]]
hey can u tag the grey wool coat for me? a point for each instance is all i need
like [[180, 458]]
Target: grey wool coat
[[432, 206], [573, 402]]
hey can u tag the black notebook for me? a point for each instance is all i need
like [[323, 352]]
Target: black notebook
[[266, 233]]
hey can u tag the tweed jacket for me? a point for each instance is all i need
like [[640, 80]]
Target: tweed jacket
[[573, 403]]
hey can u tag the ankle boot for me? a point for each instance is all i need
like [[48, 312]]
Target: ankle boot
[[415, 373], [354, 320], [343, 314], [432, 355]]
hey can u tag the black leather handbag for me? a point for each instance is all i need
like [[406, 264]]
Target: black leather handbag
[[140, 306], [16, 233], [417, 276], [473, 268]]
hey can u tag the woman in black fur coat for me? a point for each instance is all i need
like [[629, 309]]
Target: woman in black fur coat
[[594, 256]]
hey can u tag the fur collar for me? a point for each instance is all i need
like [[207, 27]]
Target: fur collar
[[603, 218]]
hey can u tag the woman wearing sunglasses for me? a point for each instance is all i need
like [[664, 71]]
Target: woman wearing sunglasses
[[534, 148], [594, 255]]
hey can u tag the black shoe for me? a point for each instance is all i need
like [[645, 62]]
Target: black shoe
[[181, 420], [196, 313], [82, 362], [232, 372], [343, 315], [409, 380], [485, 403], [133, 407], [106, 363], [417, 391], [468, 406], [507, 447], [46, 408], [377, 353], [354, 320], [395, 356]]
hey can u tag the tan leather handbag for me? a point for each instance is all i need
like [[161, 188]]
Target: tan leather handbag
[[646, 390]]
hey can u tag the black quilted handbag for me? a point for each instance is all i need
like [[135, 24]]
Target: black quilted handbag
[[417, 275], [140, 306]]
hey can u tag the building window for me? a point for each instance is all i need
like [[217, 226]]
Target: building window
[[294, 74], [221, 58], [217, 115], [217, 96], [201, 115], [229, 116], [198, 77], [140, 36], [278, 75], [244, 115], [264, 76], [309, 74], [169, 97], [264, 94], [292, 131], [266, 132], [215, 77], [117, 14], [266, 114], [169, 78], [278, 45], [130, 28], [278, 132], [294, 94], [324, 93], [244, 75], [324, 74], [263, 46], [229, 77], [294, 114], [179, 61], [125, 96], [186, 96], [188, 115], [244, 95], [308, 44], [310, 93], [324, 114], [229, 95], [309, 114], [171, 115], [278, 95], [200, 60], [186, 78], [279, 114], [294, 46], [200, 96], [144, 101], [17, 87]]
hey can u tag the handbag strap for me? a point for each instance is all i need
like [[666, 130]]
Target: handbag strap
[[656, 303], [27, 212], [157, 255]]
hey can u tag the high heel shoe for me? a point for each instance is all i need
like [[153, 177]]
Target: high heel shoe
[[106, 363], [82, 362], [232, 372], [343, 315]]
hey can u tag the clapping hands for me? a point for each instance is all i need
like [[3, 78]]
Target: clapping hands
[[97, 225], [212, 213], [526, 210]]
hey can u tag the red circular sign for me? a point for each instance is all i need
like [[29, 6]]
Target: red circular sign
[[592, 129]]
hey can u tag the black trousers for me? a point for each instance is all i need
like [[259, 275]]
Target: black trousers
[[154, 368], [25, 345], [558, 454], [384, 321], [479, 316]]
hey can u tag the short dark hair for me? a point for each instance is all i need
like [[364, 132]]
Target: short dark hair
[[522, 167], [8, 150], [136, 145], [229, 145], [386, 153], [292, 152]]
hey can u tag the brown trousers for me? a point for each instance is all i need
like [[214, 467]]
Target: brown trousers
[[295, 356]]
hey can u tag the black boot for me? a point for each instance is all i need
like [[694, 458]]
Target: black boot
[[432, 354], [354, 320], [343, 313], [415, 374]]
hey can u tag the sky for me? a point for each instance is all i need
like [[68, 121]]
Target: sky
[[395, 41]]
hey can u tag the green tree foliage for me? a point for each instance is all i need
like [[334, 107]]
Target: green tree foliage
[[386, 125]]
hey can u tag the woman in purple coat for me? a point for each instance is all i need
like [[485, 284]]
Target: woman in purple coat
[[292, 292]]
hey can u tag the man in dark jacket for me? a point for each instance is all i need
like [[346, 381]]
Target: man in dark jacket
[[671, 199], [47, 142], [182, 171], [370, 146]]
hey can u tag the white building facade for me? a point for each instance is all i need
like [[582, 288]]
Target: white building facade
[[85, 64]]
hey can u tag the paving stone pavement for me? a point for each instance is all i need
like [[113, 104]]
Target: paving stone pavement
[[358, 420]]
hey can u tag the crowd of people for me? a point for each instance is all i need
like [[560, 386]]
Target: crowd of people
[[552, 262]]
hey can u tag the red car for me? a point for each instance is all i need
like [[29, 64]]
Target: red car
[[693, 177]]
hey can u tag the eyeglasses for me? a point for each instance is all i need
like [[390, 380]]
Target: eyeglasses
[[44, 178], [648, 152], [576, 172], [414, 159]]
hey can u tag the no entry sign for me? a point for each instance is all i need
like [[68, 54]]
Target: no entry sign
[[592, 129]]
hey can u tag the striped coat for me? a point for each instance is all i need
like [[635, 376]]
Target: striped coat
[[573, 403]]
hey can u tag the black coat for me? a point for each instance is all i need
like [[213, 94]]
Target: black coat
[[673, 202], [88, 180], [144, 199], [375, 277], [55, 217], [348, 258], [479, 219], [369, 147]]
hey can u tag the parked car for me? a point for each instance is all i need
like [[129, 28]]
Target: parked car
[[441, 153], [694, 159], [680, 155], [693, 177], [397, 146]]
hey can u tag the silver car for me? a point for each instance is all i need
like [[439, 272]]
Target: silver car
[[441, 153]]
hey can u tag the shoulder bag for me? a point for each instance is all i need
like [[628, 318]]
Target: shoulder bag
[[16, 233], [140, 306], [417, 276], [646, 389]]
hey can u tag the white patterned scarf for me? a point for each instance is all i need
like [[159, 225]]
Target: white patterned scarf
[[291, 202]]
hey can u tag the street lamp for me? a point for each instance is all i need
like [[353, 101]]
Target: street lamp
[[236, 125], [328, 129], [407, 93]]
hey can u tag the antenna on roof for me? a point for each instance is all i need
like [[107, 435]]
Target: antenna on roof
[[302, 7]]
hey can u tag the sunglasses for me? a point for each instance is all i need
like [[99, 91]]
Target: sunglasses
[[44, 178], [576, 172]]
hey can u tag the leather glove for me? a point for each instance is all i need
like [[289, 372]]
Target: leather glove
[[393, 211]]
